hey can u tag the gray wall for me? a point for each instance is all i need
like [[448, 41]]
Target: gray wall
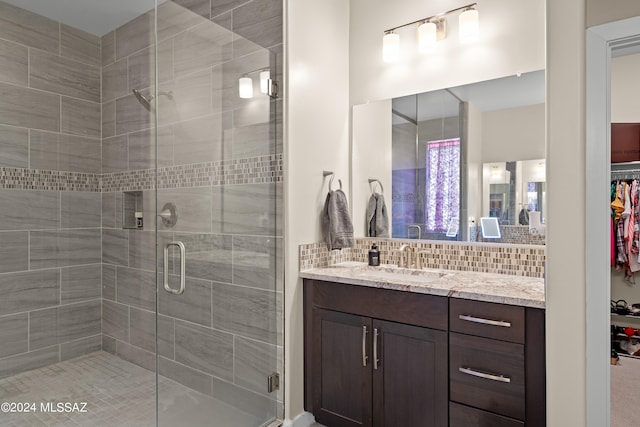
[[50, 270], [74, 280]]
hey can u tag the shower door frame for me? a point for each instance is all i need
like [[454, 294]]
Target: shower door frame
[[273, 239]]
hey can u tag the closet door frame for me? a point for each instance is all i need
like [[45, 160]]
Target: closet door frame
[[601, 41]]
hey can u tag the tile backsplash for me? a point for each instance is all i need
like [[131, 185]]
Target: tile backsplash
[[517, 260], [516, 234]]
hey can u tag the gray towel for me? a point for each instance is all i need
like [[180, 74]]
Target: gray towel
[[377, 219], [337, 227]]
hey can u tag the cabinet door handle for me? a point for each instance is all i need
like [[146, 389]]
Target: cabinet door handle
[[492, 377], [473, 319], [364, 346], [375, 348]]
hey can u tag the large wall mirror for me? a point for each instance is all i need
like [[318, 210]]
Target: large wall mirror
[[457, 155]]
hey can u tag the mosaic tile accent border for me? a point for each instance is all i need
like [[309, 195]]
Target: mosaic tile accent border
[[517, 260], [35, 179], [253, 170], [143, 179], [517, 234]]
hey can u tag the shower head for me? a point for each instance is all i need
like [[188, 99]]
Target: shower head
[[146, 100]]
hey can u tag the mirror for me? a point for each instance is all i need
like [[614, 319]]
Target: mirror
[[456, 155], [512, 190]]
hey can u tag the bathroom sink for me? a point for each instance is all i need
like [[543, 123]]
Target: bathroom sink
[[389, 274]]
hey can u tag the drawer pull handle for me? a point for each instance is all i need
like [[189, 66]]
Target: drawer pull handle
[[364, 346], [499, 378], [468, 318]]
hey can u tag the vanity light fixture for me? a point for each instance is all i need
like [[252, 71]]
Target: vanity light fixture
[[468, 28], [428, 34], [265, 75], [432, 30], [390, 46], [245, 87], [245, 83]]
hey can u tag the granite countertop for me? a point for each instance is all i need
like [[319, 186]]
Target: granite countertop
[[498, 288]]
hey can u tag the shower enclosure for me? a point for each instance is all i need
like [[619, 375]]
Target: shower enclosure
[[428, 166], [140, 197]]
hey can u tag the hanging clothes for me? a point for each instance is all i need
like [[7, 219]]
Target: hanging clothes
[[633, 250], [617, 205], [625, 223], [612, 243]]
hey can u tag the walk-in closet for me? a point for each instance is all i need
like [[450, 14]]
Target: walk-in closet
[[625, 238]]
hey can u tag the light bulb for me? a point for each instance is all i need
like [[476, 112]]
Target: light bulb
[[426, 36], [264, 81], [245, 86], [469, 26], [390, 47]]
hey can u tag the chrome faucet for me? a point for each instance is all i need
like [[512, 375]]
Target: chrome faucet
[[417, 227], [405, 261]]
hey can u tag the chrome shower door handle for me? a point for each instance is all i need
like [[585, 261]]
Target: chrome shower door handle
[[168, 288]]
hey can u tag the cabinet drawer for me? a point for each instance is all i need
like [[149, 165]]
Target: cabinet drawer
[[487, 374], [465, 416], [485, 319], [429, 311]]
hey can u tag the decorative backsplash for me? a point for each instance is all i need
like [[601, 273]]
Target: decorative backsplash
[[316, 255], [517, 260], [516, 234]]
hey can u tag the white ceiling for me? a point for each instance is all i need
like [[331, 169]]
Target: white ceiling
[[490, 95], [93, 16]]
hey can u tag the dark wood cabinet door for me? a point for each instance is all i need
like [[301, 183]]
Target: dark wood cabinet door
[[341, 378], [410, 384]]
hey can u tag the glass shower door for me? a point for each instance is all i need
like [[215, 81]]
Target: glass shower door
[[218, 232]]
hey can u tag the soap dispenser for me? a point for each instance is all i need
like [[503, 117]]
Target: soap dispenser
[[374, 256]]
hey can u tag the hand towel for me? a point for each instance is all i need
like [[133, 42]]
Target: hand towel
[[337, 227], [377, 219]]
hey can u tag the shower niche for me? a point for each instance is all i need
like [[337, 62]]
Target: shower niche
[[132, 210]]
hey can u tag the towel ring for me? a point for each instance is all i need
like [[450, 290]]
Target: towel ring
[[331, 182], [327, 173], [373, 181]]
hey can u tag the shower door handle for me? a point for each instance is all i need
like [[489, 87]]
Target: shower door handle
[[168, 288]]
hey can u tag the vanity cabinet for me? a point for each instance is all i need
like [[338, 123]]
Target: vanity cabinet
[[380, 357], [496, 365], [367, 363]]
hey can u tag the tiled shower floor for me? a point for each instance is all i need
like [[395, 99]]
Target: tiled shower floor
[[117, 394]]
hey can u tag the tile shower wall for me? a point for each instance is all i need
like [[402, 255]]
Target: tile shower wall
[[219, 160], [50, 205], [73, 137]]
